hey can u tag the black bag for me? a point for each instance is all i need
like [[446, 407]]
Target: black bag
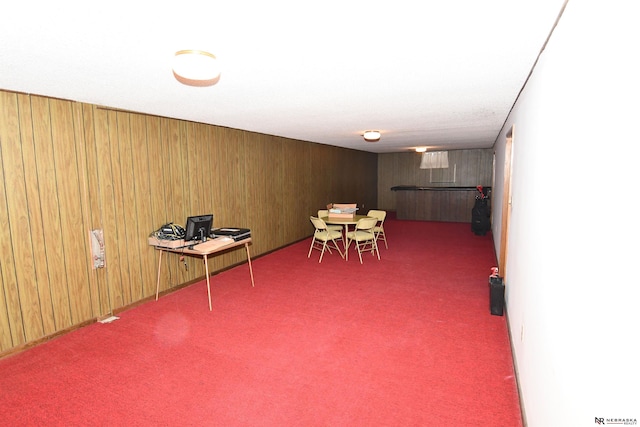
[[480, 217], [496, 295]]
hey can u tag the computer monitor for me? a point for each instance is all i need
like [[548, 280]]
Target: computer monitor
[[198, 227]]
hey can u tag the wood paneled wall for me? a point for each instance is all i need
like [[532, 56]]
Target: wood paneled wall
[[68, 168], [473, 167]]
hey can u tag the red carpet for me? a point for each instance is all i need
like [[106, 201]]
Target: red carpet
[[404, 341]]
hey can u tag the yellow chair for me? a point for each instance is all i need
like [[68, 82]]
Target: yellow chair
[[364, 236], [379, 228], [325, 213], [323, 238]]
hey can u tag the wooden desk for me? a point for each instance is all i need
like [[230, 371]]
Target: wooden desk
[[217, 249], [346, 222]]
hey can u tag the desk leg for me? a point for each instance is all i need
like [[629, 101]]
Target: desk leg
[[158, 279], [206, 268], [246, 245]]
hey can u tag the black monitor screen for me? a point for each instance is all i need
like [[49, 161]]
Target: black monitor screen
[[198, 227]]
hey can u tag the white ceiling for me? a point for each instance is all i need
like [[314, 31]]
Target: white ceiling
[[441, 74]]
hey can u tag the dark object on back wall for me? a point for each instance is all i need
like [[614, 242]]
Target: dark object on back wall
[[496, 295], [481, 213]]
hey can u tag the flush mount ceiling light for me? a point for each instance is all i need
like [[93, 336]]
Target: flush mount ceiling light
[[421, 149], [371, 136], [196, 68]]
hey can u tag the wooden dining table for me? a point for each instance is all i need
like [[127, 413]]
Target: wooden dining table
[[346, 222]]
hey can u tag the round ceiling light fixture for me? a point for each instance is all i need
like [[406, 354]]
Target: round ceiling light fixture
[[196, 68], [371, 136], [421, 149]]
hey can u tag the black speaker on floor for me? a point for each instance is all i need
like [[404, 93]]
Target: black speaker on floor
[[496, 295], [481, 217]]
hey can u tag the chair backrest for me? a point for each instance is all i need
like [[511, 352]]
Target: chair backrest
[[380, 215], [323, 213], [366, 223], [318, 223]]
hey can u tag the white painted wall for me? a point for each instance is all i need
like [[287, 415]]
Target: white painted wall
[[573, 273]]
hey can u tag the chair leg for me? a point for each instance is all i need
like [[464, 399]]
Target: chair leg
[[369, 246], [384, 237], [380, 235], [336, 247], [322, 253], [313, 241], [375, 246]]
